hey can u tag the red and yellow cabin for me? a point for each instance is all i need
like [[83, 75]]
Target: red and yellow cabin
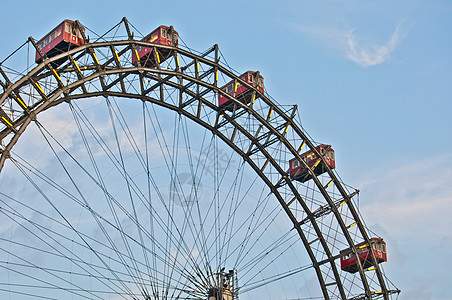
[[241, 92], [162, 35], [298, 172], [61, 39], [348, 260]]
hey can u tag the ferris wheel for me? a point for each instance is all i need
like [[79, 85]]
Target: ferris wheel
[[133, 167]]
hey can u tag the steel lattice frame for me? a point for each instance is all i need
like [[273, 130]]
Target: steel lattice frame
[[104, 69]]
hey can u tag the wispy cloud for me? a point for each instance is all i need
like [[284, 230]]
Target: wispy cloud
[[365, 51], [371, 54], [408, 204], [411, 200]]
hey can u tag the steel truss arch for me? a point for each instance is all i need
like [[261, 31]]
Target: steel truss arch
[[263, 133]]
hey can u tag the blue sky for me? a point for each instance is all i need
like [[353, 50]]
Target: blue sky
[[372, 78]]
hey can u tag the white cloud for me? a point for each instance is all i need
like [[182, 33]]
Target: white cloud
[[408, 204], [371, 54], [411, 200], [365, 51]]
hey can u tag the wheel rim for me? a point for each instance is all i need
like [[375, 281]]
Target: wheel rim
[[263, 137]]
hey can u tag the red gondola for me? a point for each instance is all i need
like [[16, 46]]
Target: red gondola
[[348, 261], [62, 38], [162, 35], [241, 92], [300, 173]]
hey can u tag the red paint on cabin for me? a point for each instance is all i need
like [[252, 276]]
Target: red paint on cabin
[[298, 172], [62, 38], [162, 35], [348, 260], [240, 91]]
